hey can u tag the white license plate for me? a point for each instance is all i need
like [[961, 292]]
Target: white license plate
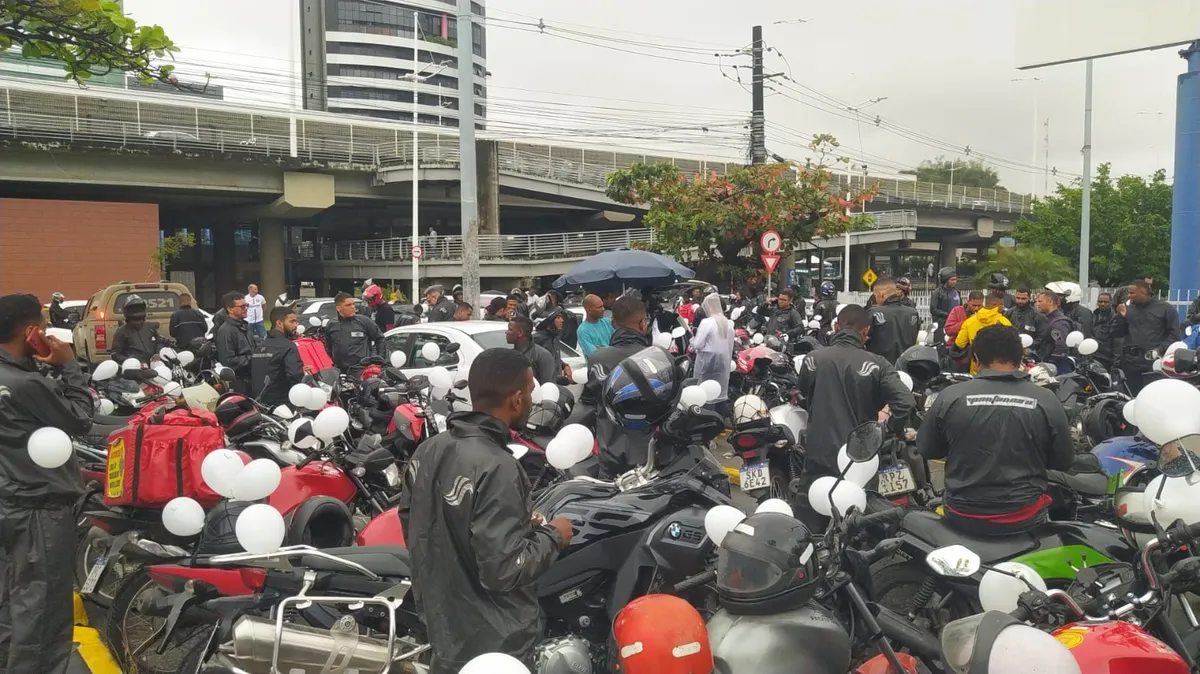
[[896, 480], [93, 577], [755, 476]]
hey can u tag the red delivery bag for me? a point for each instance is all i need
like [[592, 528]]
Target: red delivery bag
[[313, 354], [157, 458]]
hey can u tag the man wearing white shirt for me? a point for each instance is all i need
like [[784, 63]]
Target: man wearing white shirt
[[254, 311]]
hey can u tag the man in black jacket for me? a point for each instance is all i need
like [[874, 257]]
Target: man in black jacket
[[894, 324], [186, 323], [276, 365], [1149, 326], [942, 300], [351, 337], [441, 308], [1102, 326], [1025, 317], [843, 386], [547, 367], [998, 433], [59, 318], [235, 345], [137, 338], [477, 547], [620, 448], [1053, 346], [784, 315], [37, 518]]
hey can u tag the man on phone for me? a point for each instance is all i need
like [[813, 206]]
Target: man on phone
[[37, 518]]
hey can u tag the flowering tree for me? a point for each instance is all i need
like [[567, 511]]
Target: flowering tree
[[719, 219]]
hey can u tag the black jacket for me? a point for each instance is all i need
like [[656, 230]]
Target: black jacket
[[999, 433], [1053, 345], [59, 318], [234, 348], [275, 368], [186, 325], [620, 448], [385, 317], [476, 555], [843, 386], [1193, 314], [349, 340], [1028, 321], [783, 321], [142, 343], [1081, 316], [442, 311], [29, 401], [894, 328], [1152, 326], [547, 366], [1102, 327], [827, 310], [940, 305]]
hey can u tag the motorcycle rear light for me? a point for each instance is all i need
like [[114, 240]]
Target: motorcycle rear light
[[900, 500], [746, 441], [102, 525], [101, 335], [750, 454], [254, 578]]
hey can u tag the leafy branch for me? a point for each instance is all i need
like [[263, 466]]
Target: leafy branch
[[170, 248]]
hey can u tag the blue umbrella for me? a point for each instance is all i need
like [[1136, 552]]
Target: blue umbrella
[[627, 267]]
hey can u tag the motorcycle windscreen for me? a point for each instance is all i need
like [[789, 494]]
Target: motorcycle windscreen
[[958, 643]]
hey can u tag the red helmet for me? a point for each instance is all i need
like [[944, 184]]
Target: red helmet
[[372, 295], [662, 634]]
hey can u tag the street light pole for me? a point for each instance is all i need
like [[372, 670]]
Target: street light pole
[[1085, 220], [416, 194]]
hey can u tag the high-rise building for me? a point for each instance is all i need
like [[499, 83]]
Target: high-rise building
[[359, 57]]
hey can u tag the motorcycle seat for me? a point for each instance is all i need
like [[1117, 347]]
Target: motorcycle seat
[[1094, 485], [937, 532], [97, 435], [389, 561], [109, 420]]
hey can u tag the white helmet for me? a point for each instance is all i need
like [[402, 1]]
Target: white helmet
[[1013, 647], [748, 408], [1068, 290]]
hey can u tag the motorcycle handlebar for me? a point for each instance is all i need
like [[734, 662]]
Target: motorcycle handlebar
[[892, 516]]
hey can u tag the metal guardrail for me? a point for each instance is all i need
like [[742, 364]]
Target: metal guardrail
[[40, 112], [519, 246]]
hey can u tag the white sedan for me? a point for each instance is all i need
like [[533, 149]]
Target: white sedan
[[471, 336]]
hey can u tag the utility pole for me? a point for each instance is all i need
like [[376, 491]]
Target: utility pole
[[1046, 161], [1085, 220], [758, 113], [466, 154]]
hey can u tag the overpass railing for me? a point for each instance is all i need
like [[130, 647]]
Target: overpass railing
[[518, 246], [41, 112]]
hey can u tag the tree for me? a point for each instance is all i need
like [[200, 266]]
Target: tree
[[1131, 226], [168, 249], [959, 172], [1025, 266], [89, 37], [720, 219]]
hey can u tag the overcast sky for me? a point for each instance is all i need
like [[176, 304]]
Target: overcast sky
[[945, 67]]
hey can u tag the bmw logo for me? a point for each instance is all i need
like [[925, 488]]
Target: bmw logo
[[674, 530]]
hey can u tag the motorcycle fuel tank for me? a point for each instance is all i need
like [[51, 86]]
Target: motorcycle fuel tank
[[1113, 647], [319, 478], [808, 639]]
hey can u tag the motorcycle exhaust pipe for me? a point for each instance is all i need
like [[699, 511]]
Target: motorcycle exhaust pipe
[[902, 632], [308, 650]]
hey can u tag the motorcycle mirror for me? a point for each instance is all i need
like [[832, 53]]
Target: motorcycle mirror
[[864, 442], [518, 450], [1178, 458], [460, 384], [451, 347], [678, 332], [955, 561], [227, 374]]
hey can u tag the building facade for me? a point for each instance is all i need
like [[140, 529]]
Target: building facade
[[359, 57]]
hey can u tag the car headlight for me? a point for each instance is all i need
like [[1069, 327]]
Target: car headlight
[[392, 473]]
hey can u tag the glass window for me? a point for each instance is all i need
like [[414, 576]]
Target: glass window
[[420, 339], [492, 339], [402, 342]]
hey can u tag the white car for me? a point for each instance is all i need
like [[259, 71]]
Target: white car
[[471, 336]]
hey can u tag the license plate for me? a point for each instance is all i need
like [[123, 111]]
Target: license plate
[[93, 577], [755, 476], [896, 480]]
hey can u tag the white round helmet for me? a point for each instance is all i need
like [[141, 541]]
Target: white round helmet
[[996, 643], [1068, 290], [749, 408]]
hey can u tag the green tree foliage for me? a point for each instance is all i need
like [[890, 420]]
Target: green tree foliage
[[170, 248], [960, 172], [719, 219], [1025, 266], [1131, 226], [89, 37]]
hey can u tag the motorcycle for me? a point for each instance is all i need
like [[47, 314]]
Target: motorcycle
[[771, 451]]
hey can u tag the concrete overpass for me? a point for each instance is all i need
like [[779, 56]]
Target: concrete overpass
[[220, 166]]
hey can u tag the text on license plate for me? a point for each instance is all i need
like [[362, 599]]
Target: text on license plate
[[755, 476], [896, 480], [93, 577]]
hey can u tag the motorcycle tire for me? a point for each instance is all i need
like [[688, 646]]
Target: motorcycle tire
[[894, 584], [124, 610]]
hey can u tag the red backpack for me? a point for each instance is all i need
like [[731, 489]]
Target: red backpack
[[157, 457]]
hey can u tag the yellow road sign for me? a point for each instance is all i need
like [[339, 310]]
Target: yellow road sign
[[870, 277]]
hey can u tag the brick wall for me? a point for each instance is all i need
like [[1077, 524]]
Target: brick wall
[[74, 247]]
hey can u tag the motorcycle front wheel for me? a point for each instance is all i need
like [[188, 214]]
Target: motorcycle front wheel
[[134, 637]]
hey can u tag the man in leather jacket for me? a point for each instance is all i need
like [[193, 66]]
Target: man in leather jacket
[[999, 433], [620, 448], [942, 301], [276, 365], [37, 505], [1053, 347], [1102, 325], [235, 345], [894, 324], [441, 308], [1025, 317], [826, 307], [351, 337], [137, 338], [1148, 326], [477, 547], [784, 315], [844, 386], [59, 318], [186, 323]]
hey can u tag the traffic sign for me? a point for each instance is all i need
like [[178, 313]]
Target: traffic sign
[[417, 252], [770, 261], [771, 241], [870, 277]]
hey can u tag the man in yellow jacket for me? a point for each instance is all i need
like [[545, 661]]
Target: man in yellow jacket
[[992, 313]]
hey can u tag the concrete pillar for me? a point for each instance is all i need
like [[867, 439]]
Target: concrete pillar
[[860, 261], [272, 249], [947, 256], [488, 180], [224, 262]]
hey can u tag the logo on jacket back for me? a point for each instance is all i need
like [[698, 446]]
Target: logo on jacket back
[[461, 489], [878, 317], [868, 368], [996, 400]]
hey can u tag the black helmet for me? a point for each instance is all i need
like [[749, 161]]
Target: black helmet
[[946, 273], [546, 418], [231, 407], [998, 281], [766, 565], [904, 284], [1106, 419], [920, 362], [641, 391], [134, 308], [773, 342], [828, 289]]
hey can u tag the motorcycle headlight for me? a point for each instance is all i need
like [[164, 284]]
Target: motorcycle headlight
[[392, 473]]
